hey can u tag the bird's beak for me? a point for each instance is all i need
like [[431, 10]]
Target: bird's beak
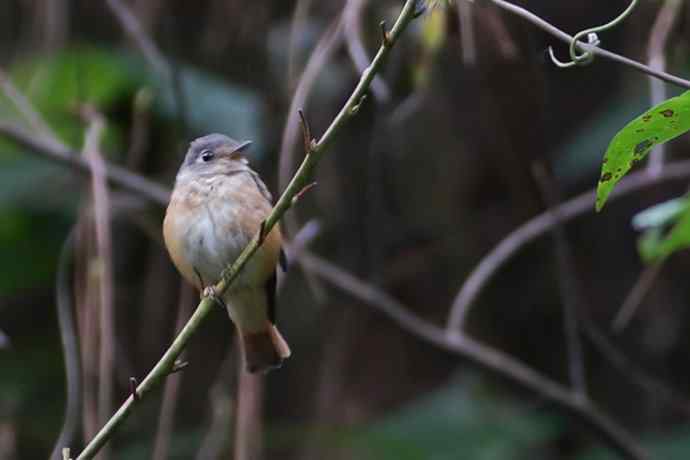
[[242, 146]]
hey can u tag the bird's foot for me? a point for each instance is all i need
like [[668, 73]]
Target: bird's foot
[[209, 292]]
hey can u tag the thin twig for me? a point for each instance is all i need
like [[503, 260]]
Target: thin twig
[[296, 119], [632, 371], [538, 225], [31, 115], [302, 177], [166, 418], [62, 154], [596, 50], [482, 356], [221, 408], [86, 299], [500, 34], [247, 436], [297, 26], [468, 44], [637, 294], [104, 256], [355, 47], [658, 37], [139, 133], [568, 282], [135, 31], [323, 50], [70, 347]]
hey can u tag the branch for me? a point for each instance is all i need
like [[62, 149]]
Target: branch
[[636, 296], [595, 50], [658, 37], [70, 346], [568, 282], [325, 47], [104, 252], [482, 356], [166, 418], [355, 47], [133, 28], [23, 106], [62, 154], [537, 226], [299, 181]]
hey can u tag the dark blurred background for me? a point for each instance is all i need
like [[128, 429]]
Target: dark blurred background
[[434, 171]]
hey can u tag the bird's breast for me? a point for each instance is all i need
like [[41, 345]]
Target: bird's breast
[[208, 223]]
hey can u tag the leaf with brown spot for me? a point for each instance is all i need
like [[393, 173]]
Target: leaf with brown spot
[[637, 138]]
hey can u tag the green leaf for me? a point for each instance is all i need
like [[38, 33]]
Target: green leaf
[[660, 124], [658, 242], [655, 244], [660, 214]]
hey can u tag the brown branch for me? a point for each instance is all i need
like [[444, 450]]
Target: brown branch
[[493, 22], [568, 281], [138, 35], [70, 347], [104, 256], [355, 47], [61, 154], [323, 51], [23, 106], [483, 356], [468, 43], [297, 121], [85, 300], [222, 409], [636, 295], [658, 37], [248, 426], [632, 371], [171, 391], [537, 226], [297, 24]]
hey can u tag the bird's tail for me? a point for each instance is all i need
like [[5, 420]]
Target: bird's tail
[[264, 350]]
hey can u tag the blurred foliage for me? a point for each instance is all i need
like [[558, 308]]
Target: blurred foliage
[[667, 229], [433, 31], [674, 445], [216, 106], [460, 420]]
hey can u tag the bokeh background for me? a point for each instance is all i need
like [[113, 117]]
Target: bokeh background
[[436, 168]]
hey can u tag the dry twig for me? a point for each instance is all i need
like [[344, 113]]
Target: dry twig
[[658, 37]]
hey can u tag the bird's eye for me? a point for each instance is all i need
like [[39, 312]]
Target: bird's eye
[[206, 155]]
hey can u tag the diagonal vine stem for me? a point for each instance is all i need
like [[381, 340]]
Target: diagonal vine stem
[[300, 180]]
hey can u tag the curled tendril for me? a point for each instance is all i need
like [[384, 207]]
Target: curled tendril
[[586, 56]]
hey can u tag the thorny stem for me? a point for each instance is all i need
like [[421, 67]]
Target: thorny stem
[[301, 179]]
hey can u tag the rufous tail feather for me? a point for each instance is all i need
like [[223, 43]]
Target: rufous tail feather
[[264, 350]]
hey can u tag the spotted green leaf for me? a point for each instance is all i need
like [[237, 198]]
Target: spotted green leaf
[[660, 124]]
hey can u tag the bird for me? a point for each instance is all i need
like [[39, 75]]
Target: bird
[[217, 205]]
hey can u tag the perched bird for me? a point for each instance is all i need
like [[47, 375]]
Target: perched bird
[[216, 207]]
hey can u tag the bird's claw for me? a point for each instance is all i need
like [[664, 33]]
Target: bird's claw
[[209, 292]]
